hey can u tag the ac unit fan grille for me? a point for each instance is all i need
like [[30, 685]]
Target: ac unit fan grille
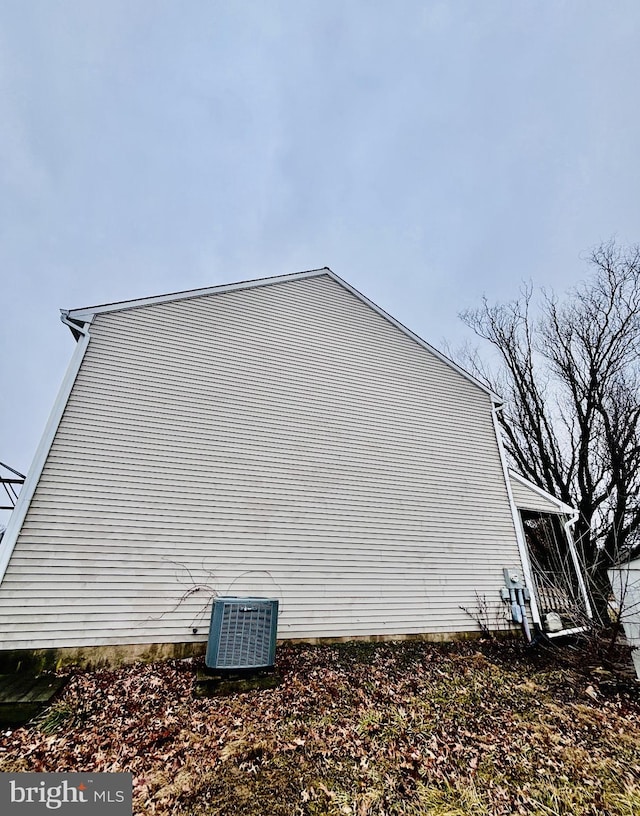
[[245, 634]]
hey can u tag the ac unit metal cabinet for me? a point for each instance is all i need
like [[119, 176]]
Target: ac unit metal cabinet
[[242, 634]]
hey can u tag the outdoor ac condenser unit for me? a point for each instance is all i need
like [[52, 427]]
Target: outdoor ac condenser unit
[[242, 634]]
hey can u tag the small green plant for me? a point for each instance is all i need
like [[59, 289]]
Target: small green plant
[[59, 715]]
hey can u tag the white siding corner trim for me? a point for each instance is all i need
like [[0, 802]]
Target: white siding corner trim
[[517, 523], [17, 517]]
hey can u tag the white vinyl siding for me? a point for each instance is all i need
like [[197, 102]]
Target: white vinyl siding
[[283, 440], [529, 497]]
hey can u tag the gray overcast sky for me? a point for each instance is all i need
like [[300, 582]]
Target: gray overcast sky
[[428, 152]]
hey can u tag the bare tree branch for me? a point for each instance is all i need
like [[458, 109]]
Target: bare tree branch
[[570, 379]]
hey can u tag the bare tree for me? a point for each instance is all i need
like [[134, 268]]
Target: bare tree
[[570, 379]]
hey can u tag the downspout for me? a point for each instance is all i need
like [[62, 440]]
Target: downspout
[[517, 524], [17, 517], [568, 531]]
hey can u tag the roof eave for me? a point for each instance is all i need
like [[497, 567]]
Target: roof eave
[[495, 398], [563, 507], [87, 313]]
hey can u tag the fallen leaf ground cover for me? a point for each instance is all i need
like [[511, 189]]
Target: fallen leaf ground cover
[[355, 729]]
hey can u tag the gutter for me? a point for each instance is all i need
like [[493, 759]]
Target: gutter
[[16, 519]]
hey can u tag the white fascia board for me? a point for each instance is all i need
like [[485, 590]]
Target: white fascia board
[[19, 512], [86, 315], [563, 509], [517, 523]]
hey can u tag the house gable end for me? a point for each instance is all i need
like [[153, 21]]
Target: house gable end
[[287, 441]]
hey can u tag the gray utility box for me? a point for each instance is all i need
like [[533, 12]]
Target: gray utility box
[[242, 634]]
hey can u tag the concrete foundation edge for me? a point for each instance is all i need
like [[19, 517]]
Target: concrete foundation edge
[[111, 656]]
